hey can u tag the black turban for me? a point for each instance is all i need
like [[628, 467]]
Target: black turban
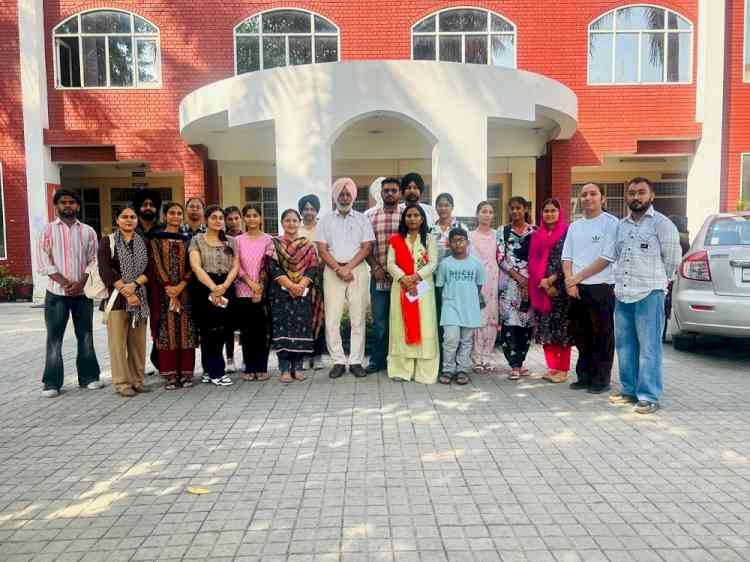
[[312, 199], [140, 196]]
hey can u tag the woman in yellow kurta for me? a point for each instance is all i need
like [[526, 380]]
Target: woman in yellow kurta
[[412, 259]]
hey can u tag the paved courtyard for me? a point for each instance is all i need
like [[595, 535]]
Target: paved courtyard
[[369, 469]]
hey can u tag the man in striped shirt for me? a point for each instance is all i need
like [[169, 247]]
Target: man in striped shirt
[[66, 248]]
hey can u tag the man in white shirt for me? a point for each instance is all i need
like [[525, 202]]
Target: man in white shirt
[[412, 187], [589, 278], [345, 239]]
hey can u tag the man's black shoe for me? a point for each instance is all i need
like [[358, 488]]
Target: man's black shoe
[[357, 371], [372, 369], [578, 385], [337, 371], [599, 388]]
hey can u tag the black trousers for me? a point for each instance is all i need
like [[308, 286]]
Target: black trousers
[[57, 310], [593, 326], [212, 321], [252, 320]]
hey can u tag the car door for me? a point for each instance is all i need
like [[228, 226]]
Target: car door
[[728, 245]]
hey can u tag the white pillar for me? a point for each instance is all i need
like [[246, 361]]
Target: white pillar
[[704, 177], [459, 163], [39, 167], [303, 164]]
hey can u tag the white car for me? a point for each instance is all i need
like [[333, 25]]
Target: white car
[[711, 291]]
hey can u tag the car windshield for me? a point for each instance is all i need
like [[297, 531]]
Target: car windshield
[[729, 231]]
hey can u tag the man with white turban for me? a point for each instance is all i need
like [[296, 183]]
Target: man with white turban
[[345, 239]]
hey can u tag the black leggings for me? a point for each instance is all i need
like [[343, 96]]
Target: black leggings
[[515, 341], [252, 320]]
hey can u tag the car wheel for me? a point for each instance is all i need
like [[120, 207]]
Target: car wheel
[[683, 342]]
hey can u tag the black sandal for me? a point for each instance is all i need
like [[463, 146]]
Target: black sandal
[[462, 379], [444, 379]]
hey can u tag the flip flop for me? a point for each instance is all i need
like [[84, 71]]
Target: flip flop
[[298, 376], [248, 376], [286, 378]]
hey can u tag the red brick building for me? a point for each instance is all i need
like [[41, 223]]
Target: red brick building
[[237, 101]]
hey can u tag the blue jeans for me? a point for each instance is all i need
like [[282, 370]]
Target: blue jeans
[[380, 301], [638, 330], [57, 310]]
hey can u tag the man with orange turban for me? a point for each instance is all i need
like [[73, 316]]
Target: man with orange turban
[[345, 239]]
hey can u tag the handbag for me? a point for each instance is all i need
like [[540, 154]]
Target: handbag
[[95, 288]]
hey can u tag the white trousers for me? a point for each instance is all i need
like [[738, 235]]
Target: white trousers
[[354, 294]]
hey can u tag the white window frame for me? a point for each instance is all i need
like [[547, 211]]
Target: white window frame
[[746, 43], [613, 32], [134, 37], [4, 256], [437, 33], [260, 35]]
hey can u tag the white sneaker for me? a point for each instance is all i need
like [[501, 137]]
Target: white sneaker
[[230, 366], [223, 381], [205, 378], [50, 392], [94, 385]]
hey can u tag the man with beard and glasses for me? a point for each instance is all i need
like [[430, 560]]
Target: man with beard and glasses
[[344, 240], [147, 205], [66, 248], [195, 219], [412, 187], [385, 221], [646, 256]]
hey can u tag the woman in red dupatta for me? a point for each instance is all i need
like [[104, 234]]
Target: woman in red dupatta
[[293, 268], [547, 291], [412, 259]]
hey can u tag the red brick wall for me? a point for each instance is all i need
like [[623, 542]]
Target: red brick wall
[[737, 106], [12, 144], [197, 49]]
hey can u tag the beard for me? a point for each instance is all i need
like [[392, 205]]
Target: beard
[[148, 215], [638, 207], [344, 208], [67, 213]]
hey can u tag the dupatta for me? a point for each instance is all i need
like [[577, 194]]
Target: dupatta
[[542, 242], [409, 309]]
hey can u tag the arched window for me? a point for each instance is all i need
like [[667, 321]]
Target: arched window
[[107, 49], [467, 35], [640, 45], [284, 37]]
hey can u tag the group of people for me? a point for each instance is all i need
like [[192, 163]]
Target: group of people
[[441, 296]]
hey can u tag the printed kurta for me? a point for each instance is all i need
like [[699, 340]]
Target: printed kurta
[[553, 328], [419, 362], [292, 318], [170, 266]]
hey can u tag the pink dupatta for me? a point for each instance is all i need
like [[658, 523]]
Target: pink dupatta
[[542, 242]]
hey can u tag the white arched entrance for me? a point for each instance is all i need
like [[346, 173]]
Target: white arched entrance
[[459, 106]]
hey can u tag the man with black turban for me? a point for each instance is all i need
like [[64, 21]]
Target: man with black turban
[[147, 205], [309, 207]]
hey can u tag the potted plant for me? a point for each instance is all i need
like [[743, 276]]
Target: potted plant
[[24, 290], [8, 284]]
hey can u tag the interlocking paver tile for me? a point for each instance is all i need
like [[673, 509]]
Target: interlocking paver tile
[[349, 470]]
